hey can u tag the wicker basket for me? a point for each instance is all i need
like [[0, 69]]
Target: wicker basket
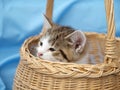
[[36, 74]]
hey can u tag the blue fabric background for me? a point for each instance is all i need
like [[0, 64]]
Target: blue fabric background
[[20, 19]]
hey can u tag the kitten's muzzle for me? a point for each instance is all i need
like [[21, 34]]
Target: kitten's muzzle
[[39, 54]]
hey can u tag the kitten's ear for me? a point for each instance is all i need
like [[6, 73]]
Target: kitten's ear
[[78, 40], [47, 22]]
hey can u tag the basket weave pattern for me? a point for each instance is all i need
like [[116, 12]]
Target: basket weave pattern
[[37, 74]]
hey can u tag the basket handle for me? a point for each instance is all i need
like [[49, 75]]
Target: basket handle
[[49, 11], [110, 44], [49, 8]]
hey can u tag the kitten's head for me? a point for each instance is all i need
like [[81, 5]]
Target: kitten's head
[[60, 43]]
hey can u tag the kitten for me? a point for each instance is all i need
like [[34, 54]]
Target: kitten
[[60, 43]]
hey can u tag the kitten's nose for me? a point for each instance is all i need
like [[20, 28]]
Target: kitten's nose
[[40, 54]]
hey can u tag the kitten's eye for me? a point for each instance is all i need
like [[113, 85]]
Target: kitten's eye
[[41, 43], [52, 49]]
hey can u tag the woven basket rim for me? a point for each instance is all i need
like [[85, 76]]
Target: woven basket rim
[[79, 70]]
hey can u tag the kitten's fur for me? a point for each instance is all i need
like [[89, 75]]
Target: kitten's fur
[[61, 43]]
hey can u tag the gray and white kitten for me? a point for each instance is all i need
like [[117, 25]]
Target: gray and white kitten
[[61, 43]]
